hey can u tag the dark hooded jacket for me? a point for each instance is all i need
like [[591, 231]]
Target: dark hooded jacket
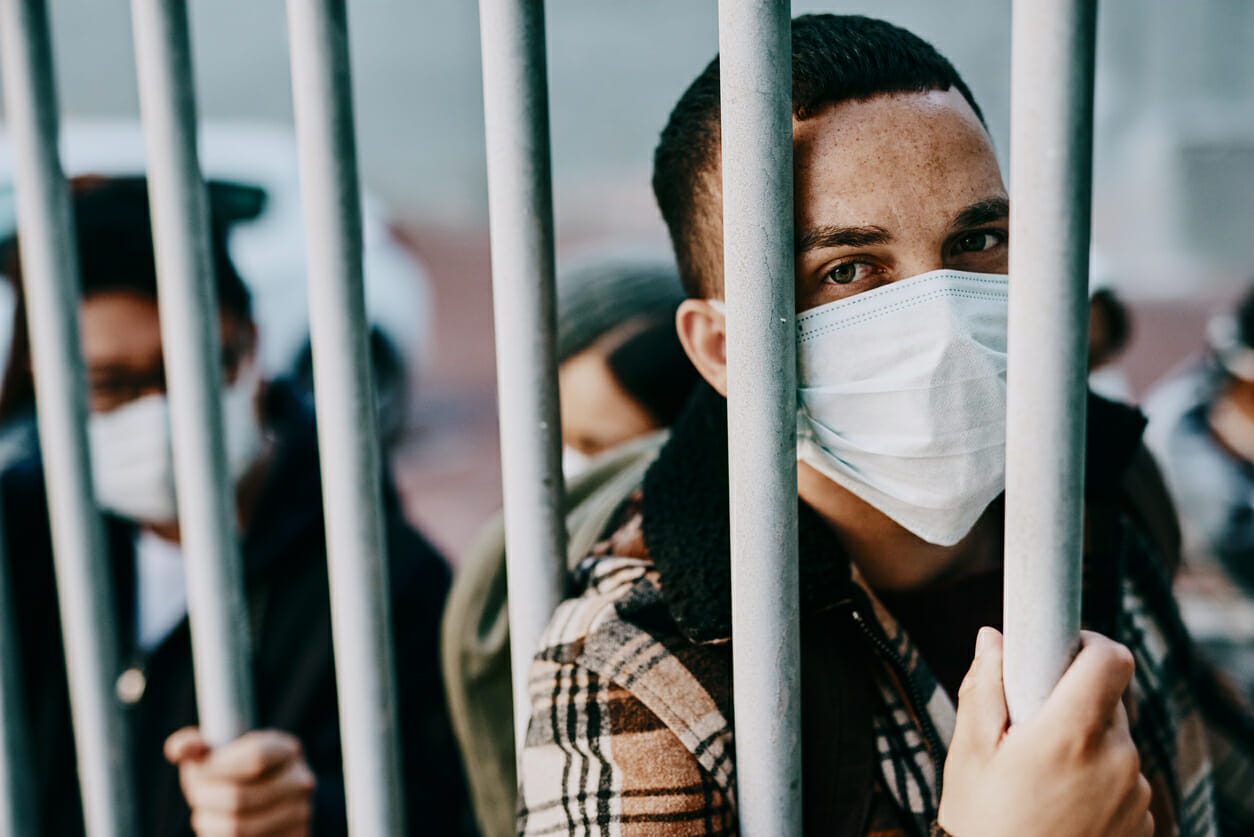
[[284, 553]]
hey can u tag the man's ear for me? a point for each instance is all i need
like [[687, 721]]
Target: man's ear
[[703, 333]]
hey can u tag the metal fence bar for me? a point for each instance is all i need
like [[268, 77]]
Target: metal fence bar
[[193, 366], [18, 816], [50, 268], [520, 210], [755, 66], [1051, 127], [344, 392]]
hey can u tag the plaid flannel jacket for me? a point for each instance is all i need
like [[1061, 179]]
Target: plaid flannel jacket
[[627, 737], [631, 729]]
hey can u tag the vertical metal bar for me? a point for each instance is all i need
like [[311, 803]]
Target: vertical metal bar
[[1051, 127], [344, 393], [520, 211], [50, 268], [755, 66], [190, 341], [17, 809]]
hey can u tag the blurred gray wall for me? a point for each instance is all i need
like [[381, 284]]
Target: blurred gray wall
[[1175, 150]]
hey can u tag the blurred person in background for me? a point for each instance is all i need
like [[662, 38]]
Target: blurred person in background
[[254, 186], [1110, 331], [286, 777], [623, 377], [622, 372], [230, 204], [1201, 429]]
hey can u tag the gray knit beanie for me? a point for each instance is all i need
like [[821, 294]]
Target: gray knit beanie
[[600, 290]]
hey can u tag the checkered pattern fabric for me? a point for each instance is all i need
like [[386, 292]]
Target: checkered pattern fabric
[[628, 735], [624, 739]]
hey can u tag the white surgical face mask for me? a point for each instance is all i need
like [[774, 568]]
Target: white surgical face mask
[[239, 419], [574, 462], [132, 457], [131, 463], [902, 398]]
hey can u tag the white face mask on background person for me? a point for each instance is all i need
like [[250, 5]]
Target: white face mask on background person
[[131, 461], [132, 455], [239, 418], [902, 398], [574, 462]]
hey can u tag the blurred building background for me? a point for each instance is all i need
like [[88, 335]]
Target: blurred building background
[[1174, 159]]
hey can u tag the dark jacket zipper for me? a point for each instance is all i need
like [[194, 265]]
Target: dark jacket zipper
[[913, 697]]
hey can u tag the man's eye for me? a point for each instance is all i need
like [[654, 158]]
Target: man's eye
[[978, 242], [843, 274]]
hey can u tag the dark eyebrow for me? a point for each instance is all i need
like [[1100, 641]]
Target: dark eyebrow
[[123, 372], [984, 212], [104, 369], [820, 237]]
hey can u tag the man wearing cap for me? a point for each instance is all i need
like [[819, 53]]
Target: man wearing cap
[[286, 776]]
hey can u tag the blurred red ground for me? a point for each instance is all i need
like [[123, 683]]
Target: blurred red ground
[[448, 469]]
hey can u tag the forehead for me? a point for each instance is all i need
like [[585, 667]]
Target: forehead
[[893, 158], [117, 327], [596, 411]]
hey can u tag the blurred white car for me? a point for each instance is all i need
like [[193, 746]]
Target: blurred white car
[[268, 249]]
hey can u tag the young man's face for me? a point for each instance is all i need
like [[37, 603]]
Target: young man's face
[[893, 187], [884, 189]]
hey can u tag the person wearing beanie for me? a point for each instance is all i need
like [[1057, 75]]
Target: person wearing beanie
[[623, 377], [622, 372], [602, 286]]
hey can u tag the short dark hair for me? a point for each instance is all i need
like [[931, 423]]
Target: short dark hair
[[835, 58], [1116, 321], [1244, 316]]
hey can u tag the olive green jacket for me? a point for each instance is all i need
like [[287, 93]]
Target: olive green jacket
[[475, 636]]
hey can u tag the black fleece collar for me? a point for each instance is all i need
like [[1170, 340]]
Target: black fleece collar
[[289, 504], [686, 518]]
